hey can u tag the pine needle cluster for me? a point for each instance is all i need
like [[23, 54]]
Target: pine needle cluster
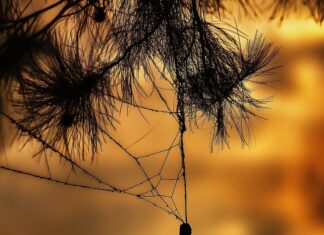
[[67, 71]]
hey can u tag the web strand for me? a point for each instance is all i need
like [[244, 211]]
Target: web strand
[[148, 196]]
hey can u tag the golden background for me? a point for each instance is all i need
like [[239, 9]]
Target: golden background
[[273, 187]]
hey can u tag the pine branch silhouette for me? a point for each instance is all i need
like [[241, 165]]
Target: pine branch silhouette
[[64, 96], [275, 9], [67, 74]]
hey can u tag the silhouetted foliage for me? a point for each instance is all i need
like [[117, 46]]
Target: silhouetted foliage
[[220, 92], [70, 61], [63, 95], [278, 9]]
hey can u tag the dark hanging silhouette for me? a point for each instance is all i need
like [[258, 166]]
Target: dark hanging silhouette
[[185, 229]]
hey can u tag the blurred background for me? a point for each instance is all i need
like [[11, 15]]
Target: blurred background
[[275, 186]]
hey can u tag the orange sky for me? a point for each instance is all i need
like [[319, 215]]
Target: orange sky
[[273, 187]]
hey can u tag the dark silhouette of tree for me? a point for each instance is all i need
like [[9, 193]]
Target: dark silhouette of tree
[[66, 73]]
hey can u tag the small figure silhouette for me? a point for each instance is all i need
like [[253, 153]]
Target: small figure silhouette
[[185, 229], [99, 15]]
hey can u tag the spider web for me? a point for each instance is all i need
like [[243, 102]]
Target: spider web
[[156, 177], [155, 182]]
